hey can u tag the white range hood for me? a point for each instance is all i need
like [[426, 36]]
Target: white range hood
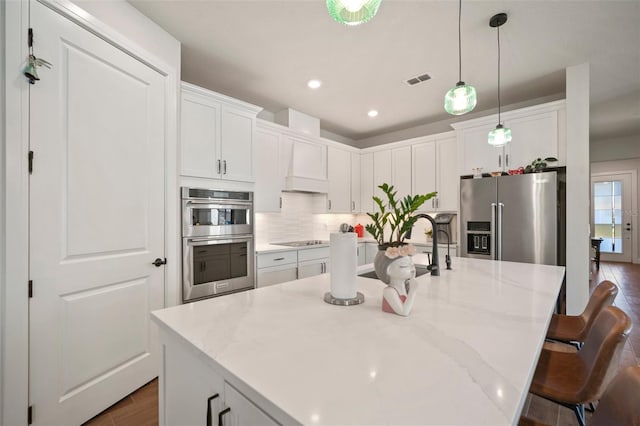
[[306, 159]]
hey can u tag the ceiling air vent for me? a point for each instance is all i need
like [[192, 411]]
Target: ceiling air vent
[[418, 79]]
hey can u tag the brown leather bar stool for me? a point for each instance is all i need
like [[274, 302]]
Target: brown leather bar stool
[[575, 379], [574, 328], [619, 405]]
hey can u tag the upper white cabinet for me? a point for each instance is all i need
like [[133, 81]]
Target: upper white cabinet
[[339, 171], [435, 169], [269, 172], [401, 171], [537, 131], [366, 182], [355, 183], [382, 172], [217, 135]]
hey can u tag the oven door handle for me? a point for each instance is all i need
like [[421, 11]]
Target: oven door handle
[[218, 204], [211, 241]]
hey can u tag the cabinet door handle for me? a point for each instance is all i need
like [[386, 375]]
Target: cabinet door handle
[[280, 202], [353, 205], [329, 204], [218, 167], [499, 160], [224, 167], [507, 160], [437, 203], [209, 417], [279, 258], [221, 415]]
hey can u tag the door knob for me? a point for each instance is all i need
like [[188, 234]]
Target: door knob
[[159, 262]]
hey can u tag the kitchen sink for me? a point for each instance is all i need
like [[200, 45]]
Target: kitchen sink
[[303, 243], [420, 270]]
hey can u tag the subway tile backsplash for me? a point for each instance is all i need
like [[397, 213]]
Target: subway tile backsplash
[[299, 219]]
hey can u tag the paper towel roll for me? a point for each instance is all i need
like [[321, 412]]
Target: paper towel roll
[[343, 255]]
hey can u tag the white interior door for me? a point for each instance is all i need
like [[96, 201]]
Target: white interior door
[[612, 215], [96, 222]]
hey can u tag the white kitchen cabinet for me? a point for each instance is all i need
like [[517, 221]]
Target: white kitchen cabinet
[[401, 171], [216, 136], [534, 136], [186, 389], [339, 173], [435, 169], [267, 195], [243, 412], [276, 274], [382, 172], [355, 183], [314, 261], [362, 254], [192, 391], [371, 251], [276, 267], [366, 182], [312, 268], [537, 132]]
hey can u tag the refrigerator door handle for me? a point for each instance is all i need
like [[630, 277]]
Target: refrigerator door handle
[[500, 212], [493, 231]]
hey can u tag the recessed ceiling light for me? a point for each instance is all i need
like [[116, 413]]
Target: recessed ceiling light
[[314, 84], [372, 113]]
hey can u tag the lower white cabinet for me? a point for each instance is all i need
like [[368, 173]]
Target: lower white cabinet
[[313, 261], [371, 251], [192, 393], [276, 267], [362, 254], [277, 274]]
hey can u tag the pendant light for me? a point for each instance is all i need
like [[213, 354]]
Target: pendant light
[[353, 12], [462, 98], [500, 135]]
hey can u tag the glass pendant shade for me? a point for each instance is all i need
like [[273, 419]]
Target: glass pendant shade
[[460, 99], [500, 136], [353, 12]]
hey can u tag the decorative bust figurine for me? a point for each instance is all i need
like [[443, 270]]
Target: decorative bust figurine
[[396, 298]]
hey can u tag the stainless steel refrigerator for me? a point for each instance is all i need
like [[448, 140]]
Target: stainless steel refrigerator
[[519, 218]]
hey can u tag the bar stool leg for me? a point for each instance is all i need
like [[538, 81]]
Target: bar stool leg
[[579, 411]]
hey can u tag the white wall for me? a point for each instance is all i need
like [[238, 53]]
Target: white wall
[[578, 183], [615, 149], [142, 39]]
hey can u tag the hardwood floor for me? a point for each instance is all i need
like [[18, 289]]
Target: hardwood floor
[[627, 277], [141, 407], [137, 409]]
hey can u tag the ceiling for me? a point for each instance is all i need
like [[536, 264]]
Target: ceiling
[[265, 51]]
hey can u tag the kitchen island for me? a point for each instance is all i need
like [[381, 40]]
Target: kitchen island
[[280, 355]]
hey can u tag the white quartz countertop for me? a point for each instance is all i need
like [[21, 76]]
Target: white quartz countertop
[[272, 248], [465, 355]]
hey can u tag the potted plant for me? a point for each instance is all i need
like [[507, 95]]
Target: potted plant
[[396, 216]]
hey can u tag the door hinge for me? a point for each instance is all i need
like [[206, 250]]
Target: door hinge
[[30, 162], [30, 288], [30, 414]]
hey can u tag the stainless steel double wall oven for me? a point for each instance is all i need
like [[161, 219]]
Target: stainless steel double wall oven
[[217, 242]]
